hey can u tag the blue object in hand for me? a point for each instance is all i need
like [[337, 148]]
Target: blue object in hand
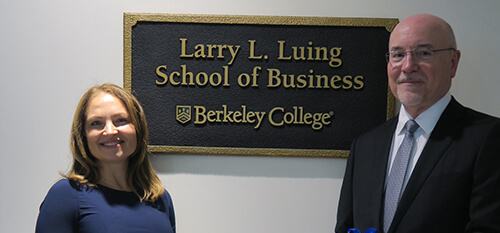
[[354, 230]]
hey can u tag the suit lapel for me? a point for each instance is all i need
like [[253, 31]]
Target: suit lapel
[[442, 136], [381, 152]]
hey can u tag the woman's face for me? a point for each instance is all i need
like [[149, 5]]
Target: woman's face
[[111, 136]]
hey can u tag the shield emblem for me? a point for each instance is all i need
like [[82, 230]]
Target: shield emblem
[[183, 114]]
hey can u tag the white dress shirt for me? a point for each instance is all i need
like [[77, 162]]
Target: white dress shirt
[[427, 120]]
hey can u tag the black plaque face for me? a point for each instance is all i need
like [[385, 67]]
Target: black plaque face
[[253, 85]]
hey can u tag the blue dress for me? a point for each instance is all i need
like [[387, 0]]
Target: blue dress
[[71, 208]]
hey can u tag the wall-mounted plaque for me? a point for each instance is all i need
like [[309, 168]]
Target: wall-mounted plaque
[[257, 85]]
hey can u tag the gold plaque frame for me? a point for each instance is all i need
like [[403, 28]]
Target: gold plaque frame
[[131, 19]]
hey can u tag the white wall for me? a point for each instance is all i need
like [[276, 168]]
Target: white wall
[[52, 51]]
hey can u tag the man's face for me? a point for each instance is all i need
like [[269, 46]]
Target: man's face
[[415, 83]]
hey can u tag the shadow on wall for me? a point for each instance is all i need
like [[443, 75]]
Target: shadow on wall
[[250, 166]]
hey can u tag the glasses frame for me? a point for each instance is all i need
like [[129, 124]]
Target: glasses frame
[[388, 54]]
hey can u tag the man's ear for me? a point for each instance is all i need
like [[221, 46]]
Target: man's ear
[[454, 63]]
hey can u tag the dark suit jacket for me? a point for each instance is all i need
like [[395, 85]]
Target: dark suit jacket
[[455, 186]]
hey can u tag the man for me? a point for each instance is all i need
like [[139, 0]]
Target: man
[[447, 179]]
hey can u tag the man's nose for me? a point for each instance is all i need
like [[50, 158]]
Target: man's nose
[[410, 63]]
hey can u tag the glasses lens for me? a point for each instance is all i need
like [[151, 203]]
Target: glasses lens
[[423, 54], [396, 56]]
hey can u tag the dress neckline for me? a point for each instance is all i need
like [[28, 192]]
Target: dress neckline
[[113, 189]]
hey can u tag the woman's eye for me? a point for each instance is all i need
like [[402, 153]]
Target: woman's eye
[[121, 121], [95, 123]]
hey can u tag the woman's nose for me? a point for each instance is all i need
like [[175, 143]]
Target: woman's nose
[[110, 129]]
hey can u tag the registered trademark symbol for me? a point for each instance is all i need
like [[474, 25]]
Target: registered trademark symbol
[[331, 113]]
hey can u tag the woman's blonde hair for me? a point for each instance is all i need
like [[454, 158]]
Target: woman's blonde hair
[[85, 170]]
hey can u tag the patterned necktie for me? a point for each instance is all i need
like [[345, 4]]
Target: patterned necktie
[[398, 173]]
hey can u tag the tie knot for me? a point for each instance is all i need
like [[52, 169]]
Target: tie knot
[[411, 126]]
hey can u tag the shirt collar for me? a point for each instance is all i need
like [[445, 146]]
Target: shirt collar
[[428, 119]]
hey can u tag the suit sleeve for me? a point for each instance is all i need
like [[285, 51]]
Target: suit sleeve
[[59, 210], [345, 209], [485, 194]]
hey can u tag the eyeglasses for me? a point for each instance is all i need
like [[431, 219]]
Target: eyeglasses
[[423, 54]]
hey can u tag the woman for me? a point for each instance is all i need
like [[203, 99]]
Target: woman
[[111, 186]]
